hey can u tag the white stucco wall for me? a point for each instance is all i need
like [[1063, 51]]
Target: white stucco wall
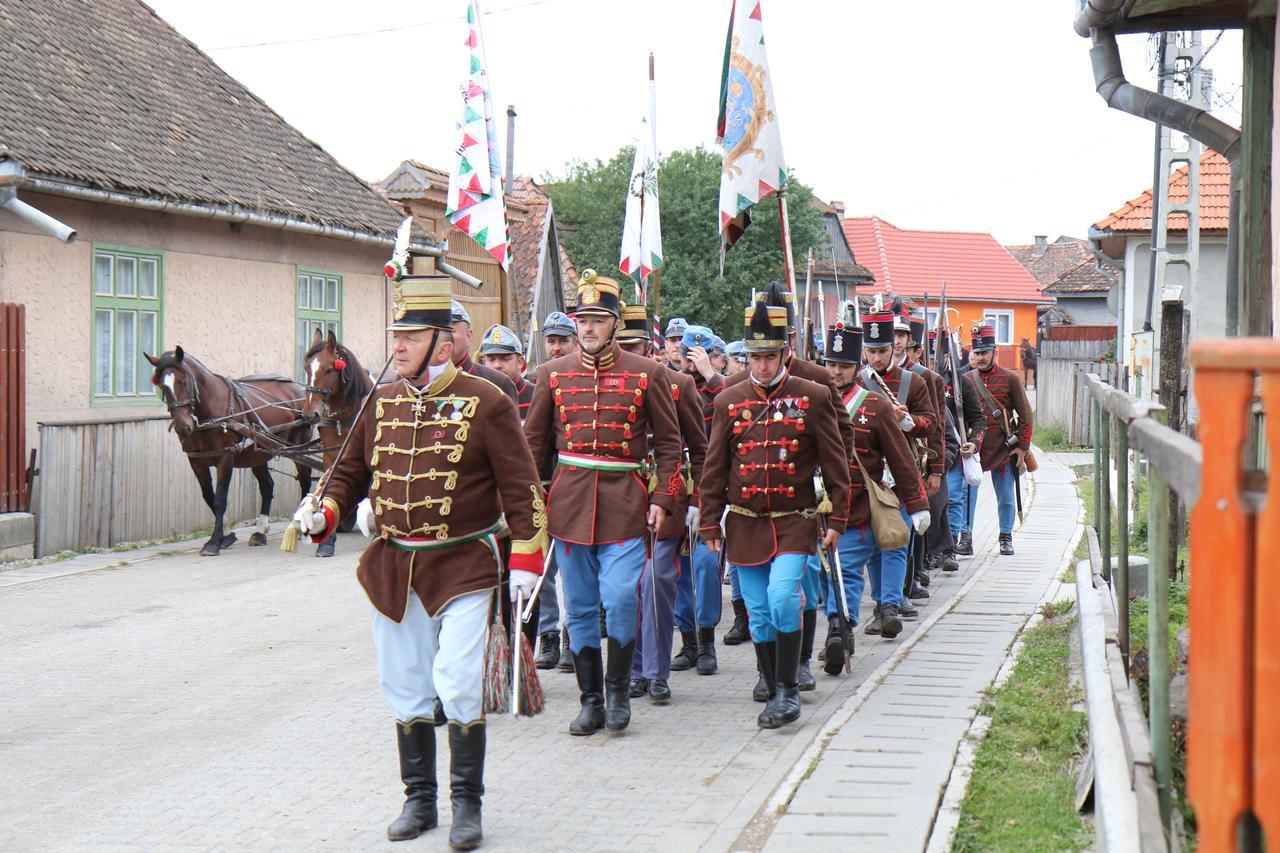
[[228, 296]]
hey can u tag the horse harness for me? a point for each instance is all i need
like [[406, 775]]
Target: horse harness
[[237, 407]]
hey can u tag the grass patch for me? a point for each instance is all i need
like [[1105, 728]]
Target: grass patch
[[1051, 437], [1021, 795]]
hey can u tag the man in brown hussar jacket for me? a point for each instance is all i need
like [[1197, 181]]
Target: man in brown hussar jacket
[[597, 408], [442, 459], [880, 444], [768, 436], [777, 295], [1008, 437], [651, 669]]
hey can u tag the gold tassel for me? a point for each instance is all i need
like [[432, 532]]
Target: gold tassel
[[291, 535], [824, 506]]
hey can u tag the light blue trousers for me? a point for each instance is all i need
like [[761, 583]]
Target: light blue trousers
[[600, 574], [771, 592]]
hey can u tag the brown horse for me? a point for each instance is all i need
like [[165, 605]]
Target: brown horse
[[228, 424], [336, 385]]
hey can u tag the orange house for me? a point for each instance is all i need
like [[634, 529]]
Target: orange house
[[984, 282]]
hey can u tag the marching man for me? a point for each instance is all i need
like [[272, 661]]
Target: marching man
[[1008, 436], [502, 351], [597, 409], [441, 458], [768, 435]]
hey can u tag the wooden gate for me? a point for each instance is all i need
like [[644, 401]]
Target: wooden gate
[[13, 408]]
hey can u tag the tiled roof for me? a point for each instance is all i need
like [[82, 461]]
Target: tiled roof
[[527, 234], [108, 95], [1088, 277], [1215, 201], [1065, 266], [913, 263]]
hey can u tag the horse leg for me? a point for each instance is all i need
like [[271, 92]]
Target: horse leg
[[218, 541], [267, 489], [203, 477]]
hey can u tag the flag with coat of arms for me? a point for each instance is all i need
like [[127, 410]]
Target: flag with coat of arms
[[642, 230], [747, 127], [475, 203]]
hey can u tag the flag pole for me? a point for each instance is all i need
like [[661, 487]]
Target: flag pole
[[786, 242]]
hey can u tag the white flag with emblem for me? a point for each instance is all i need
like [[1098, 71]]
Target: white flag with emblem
[[642, 229]]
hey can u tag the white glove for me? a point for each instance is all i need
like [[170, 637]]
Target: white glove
[[309, 517], [921, 521], [907, 423], [522, 583], [364, 519], [691, 517]]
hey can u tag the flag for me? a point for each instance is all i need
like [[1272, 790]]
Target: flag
[[642, 230], [475, 204], [747, 127]]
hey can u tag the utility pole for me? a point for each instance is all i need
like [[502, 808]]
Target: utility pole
[[510, 185]]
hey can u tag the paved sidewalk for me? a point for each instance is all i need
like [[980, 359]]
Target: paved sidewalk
[[880, 775], [180, 703]]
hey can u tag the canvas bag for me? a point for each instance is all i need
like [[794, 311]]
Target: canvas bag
[[887, 524]]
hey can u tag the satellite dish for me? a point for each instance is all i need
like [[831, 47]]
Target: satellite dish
[[1113, 299]]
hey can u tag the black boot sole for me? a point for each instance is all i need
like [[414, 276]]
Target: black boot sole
[[834, 651]]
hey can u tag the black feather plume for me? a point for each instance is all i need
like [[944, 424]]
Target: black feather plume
[[760, 321]]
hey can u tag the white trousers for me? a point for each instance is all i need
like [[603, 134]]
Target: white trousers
[[422, 657]]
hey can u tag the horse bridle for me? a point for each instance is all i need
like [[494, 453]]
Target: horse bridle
[[191, 402]]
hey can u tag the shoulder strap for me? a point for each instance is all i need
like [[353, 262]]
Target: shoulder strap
[[904, 385], [985, 393]]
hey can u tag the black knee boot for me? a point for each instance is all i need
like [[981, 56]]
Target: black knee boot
[[466, 783], [417, 745], [588, 665], [617, 711], [707, 663], [767, 663], [808, 632], [784, 706]]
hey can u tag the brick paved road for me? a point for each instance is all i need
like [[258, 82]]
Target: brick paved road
[[193, 703]]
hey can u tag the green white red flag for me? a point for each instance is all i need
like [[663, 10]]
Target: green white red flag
[[642, 230], [476, 204], [747, 127]]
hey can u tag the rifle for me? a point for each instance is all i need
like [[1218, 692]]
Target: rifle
[[925, 340], [836, 572]]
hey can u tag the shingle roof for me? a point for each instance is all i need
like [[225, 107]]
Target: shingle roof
[[1065, 266], [1215, 201], [527, 234], [108, 95], [912, 263]]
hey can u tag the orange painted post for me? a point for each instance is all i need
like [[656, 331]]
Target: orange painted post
[[1266, 662], [1221, 595]]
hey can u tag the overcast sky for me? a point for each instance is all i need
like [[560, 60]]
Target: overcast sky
[[937, 114]]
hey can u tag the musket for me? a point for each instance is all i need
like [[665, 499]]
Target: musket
[[806, 325], [822, 310], [926, 329]]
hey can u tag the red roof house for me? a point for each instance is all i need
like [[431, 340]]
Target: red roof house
[[984, 282]]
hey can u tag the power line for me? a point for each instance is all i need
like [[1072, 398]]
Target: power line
[[382, 31]]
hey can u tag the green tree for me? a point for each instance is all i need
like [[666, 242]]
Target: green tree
[[590, 200]]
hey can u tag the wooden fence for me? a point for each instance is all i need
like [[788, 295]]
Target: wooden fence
[[108, 482], [13, 408], [1061, 396]]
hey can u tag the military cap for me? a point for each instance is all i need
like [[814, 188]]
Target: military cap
[[766, 327], [877, 329], [458, 312], [696, 336], [984, 338], [635, 324], [717, 345], [499, 340], [844, 344], [917, 327], [558, 323], [598, 295], [675, 328], [420, 302], [735, 351]]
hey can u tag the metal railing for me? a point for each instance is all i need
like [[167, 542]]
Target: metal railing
[[1233, 497]]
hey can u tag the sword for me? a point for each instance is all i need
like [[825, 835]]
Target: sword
[[527, 611], [1017, 486]]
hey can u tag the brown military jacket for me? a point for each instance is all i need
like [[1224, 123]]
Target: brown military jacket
[[497, 377], [765, 446], [441, 467], [937, 440], [919, 401], [1003, 387], [814, 373], [598, 412], [694, 434], [880, 442]]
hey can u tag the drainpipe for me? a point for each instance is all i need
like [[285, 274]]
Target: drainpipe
[[1120, 94], [1093, 14], [11, 175], [236, 213]]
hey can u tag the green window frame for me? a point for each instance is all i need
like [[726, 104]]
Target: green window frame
[[317, 306], [127, 319]]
